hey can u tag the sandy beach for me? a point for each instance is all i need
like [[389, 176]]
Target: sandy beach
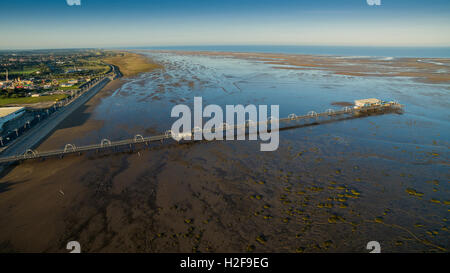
[[131, 64], [77, 124]]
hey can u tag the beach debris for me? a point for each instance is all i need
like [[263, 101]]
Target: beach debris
[[250, 248], [435, 182], [315, 188], [327, 244], [261, 239], [256, 196], [333, 219], [325, 205], [378, 220], [412, 191], [300, 250], [355, 192]]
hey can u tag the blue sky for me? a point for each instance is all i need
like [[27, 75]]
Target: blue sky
[[116, 23]]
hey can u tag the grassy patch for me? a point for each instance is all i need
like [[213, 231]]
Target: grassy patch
[[26, 71], [29, 100]]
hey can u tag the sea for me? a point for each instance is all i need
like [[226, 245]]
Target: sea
[[356, 51]]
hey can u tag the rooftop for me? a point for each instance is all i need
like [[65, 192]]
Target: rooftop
[[366, 101], [4, 111]]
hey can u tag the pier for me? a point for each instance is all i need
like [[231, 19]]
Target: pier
[[106, 144]]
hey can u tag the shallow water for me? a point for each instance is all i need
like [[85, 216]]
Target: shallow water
[[329, 187], [147, 100]]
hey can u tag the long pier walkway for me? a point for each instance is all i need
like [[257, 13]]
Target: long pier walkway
[[139, 139]]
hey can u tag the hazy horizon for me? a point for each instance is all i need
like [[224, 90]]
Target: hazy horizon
[[163, 46], [53, 24]]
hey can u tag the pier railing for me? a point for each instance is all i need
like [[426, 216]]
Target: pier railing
[[139, 139]]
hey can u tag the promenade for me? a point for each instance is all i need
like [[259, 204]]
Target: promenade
[[32, 138]]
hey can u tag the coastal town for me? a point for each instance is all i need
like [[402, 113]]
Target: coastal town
[[224, 136], [31, 78], [34, 85]]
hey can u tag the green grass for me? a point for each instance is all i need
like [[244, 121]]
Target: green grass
[[94, 65], [29, 100], [20, 72], [73, 87]]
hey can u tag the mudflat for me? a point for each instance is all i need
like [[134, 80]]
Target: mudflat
[[328, 188], [427, 70]]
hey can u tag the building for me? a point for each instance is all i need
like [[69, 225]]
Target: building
[[10, 113], [367, 102]]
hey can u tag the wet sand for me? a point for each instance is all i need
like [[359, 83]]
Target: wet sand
[[317, 193], [79, 122], [49, 226], [427, 70]]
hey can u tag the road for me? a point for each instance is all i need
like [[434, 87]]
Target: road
[[38, 133]]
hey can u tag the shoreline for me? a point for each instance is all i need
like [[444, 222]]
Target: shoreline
[[40, 195], [79, 122], [131, 64], [213, 197], [44, 129], [423, 72], [39, 134]]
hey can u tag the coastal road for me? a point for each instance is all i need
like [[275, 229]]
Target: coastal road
[[38, 133]]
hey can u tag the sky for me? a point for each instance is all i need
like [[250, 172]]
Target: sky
[[28, 24]]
